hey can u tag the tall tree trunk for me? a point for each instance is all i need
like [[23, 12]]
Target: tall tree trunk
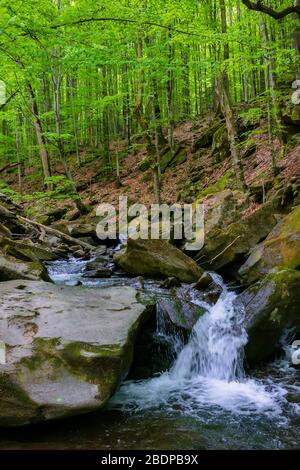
[[142, 121], [224, 94], [39, 134]]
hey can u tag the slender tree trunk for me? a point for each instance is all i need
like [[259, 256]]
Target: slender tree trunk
[[224, 94], [39, 134], [142, 121]]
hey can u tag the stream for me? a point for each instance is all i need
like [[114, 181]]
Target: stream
[[204, 401]]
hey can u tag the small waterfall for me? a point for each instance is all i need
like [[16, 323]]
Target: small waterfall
[[215, 349], [207, 372]]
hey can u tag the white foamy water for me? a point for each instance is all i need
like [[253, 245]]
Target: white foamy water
[[208, 372], [66, 272]]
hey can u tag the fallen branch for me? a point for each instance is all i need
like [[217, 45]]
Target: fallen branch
[[57, 233], [225, 249]]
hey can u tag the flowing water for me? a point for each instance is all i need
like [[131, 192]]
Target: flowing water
[[205, 400]]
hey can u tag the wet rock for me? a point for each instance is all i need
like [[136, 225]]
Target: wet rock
[[61, 226], [75, 248], [209, 295], [62, 250], [170, 282], [100, 250], [72, 215], [157, 258], [271, 308], [67, 348], [280, 250], [79, 254], [204, 282], [181, 313], [95, 269]]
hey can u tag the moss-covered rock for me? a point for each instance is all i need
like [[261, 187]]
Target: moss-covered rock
[[145, 164], [220, 143], [231, 242], [207, 134], [157, 258], [4, 231], [291, 113], [67, 349], [280, 250], [12, 268], [82, 230], [217, 187], [182, 314], [271, 307], [26, 250]]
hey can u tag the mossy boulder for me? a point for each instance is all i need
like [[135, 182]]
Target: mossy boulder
[[26, 250], [231, 243], [280, 250], [145, 164], [67, 349], [205, 139], [220, 143], [4, 231], [291, 113], [46, 213], [174, 158], [12, 268], [83, 230], [158, 259], [271, 307], [182, 314], [220, 209]]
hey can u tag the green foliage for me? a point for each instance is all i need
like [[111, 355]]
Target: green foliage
[[89, 81]]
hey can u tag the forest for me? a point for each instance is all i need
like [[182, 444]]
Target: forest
[[187, 102]]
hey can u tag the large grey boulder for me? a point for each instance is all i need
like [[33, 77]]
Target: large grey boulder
[[157, 258], [280, 250], [229, 243], [271, 308], [67, 349]]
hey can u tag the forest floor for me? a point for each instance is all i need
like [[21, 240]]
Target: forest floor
[[177, 181]]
